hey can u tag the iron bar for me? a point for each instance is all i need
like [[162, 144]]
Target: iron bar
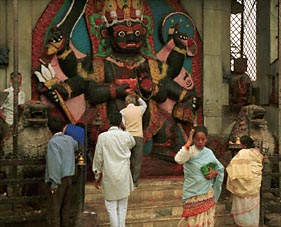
[[23, 218], [279, 86], [242, 31], [279, 26], [85, 154], [15, 85], [10, 200], [21, 181], [21, 161], [15, 72]]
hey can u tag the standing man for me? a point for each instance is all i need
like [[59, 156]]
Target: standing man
[[60, 167], [111, 166], [77, 133], [132, 120], [8, 105]]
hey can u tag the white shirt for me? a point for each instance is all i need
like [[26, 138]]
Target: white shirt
[[112, 159], [8, 105]]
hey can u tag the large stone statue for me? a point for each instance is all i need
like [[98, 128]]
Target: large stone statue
[[33, 137], [250, 121], [122, 59]]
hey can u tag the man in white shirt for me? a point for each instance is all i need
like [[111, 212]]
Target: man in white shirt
[[132, 119], [8, 106], [111, 166]]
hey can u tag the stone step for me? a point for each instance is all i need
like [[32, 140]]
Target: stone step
[[148, 190], [155, 203], [145, 210], [154, 210], [160, 222], [89, 219], [155, 222]]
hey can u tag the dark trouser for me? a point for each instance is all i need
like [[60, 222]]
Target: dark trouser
[[60, 205], [136, 157]]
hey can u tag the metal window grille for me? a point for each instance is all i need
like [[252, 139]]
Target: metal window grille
[[243, 35]]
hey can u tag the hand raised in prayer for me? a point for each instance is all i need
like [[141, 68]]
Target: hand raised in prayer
[[190, 139]]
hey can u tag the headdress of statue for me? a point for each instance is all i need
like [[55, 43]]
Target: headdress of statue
[[113, 12], [116, 11]]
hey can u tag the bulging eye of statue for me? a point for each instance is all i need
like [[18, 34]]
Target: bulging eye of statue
[[121, 34], [137, 33]]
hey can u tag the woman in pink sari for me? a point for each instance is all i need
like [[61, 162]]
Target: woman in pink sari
[[244, 182]]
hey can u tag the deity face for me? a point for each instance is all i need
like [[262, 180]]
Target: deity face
[[127, 37]]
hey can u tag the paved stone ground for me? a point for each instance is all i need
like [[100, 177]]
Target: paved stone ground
[[87, 219]]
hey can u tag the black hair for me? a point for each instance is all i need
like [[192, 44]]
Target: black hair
[[80, 124], [55, 124], [115, 118], [248, 141], [200, 128], [12, 75]]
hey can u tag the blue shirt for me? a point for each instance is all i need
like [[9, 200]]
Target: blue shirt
[[60, 159]]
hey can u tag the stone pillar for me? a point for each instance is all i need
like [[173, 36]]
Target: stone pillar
[[263, 53], [212, 19], [216, 61]]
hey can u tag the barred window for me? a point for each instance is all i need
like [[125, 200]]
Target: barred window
[[274, 29], [243, 34]]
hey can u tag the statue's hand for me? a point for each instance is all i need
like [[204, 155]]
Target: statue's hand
[[178, 37], [122, 90], [61, 90], [42, 88], [51, 92], [185, 111], [48, 93], [193, 99]]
